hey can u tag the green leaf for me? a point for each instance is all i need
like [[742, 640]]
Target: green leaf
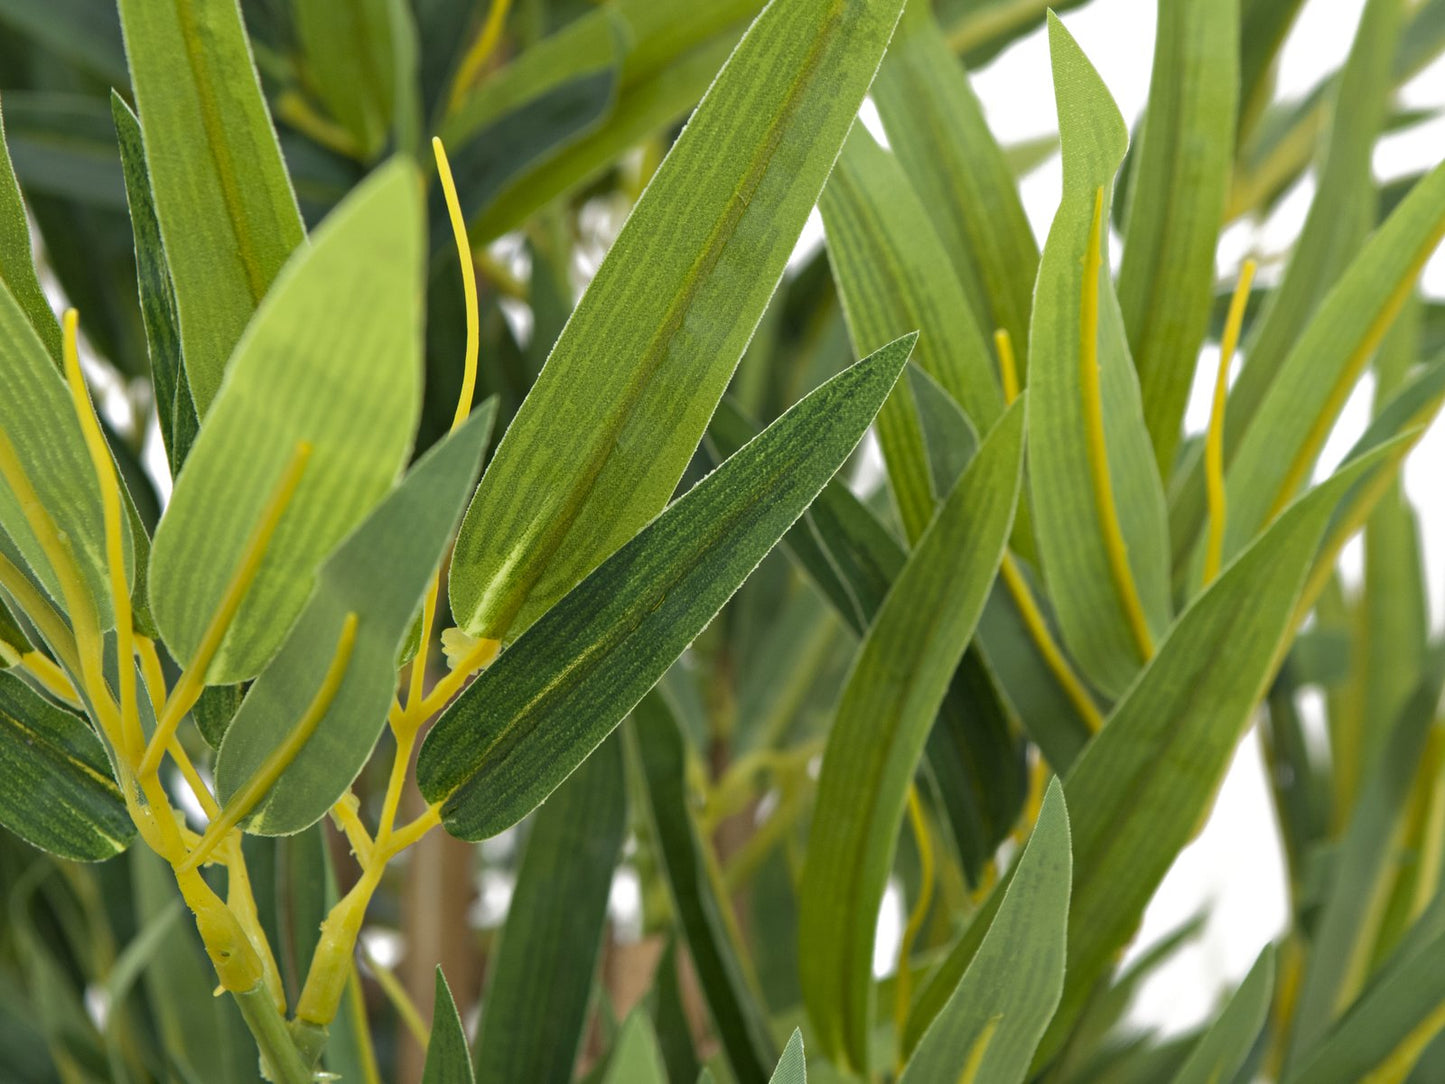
[[792, 1066], [63, 144], [996, 1016], [38, 419], [894, 689], [17, 262], [1222, 1052], [447, 1059], [1281, 447], [1354, 905], [936, 126], [227, 214], [703, 909], [535, 1012], [894, 274], [347, 61], [669, 1014], [59, 793], [1183, 164], [332, 358], [535, 714], [175, 412], [1111, 600], [379, 573], [635, 1057], [596, 448], [1141, 787]]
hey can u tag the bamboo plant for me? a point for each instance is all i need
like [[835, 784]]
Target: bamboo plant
[[440, 445]]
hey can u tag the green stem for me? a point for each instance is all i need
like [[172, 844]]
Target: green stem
[[281, 1062]]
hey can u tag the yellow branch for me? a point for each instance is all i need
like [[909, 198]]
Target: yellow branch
[[1053, 656], [479, 53], [1214, 439], [280, 758], [110, 504], [1114, 545], [52, 677], [43, 615], [193, 678], [469, 277], [1007, 365]]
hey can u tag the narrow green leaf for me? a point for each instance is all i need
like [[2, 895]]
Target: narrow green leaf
[[1109, 603], [674, 1027], [703, 911], [62, 144], [347, 60], [894, 274], [535, 714], [635, 1057], [17, 261], [534, 1014], [38, 419], [59, 793], [1141, 787], [379, 573], [898, 680], [227, 214], [333, 358], [1353, 907], [1177, 193], [174, 410], [1279, 450], [1222, 1052], [792, 1066], [996, 1016], [936, 126], [596, 449], [448, 1061]]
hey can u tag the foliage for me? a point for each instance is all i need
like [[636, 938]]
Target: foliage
[[296, 655]]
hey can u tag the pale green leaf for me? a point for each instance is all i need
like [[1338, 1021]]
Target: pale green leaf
[[333, 358], [894, 689], [1176, 203], [1090, 591], [936, 126], [1003, 1003], [536, 713], [792, 1066], [635, 1057], [379, 573], [227, 213], [893, 275], [448, 1060], [347, 59], [603, 436], [1222, 1052]]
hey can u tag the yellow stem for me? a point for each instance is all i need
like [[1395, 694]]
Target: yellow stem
[[345, 814], [1324, 423], [481, 654], [280, 758], [1049, 650], [405, 743], [901, 981], [110, 503], [52, 677], [469, 277], [1093, 403], [416, 690], [203, 795], [480, 52], [410, 833], [43, 615], [193, 678], [1214, 439], [1007, 365], [150, 668]]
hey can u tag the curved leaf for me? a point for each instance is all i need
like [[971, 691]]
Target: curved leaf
[[996, 1016], [896, 685], [1225, 1047], [227, 213], [548, 701], [332, 358], [58, 793], [604, 435]]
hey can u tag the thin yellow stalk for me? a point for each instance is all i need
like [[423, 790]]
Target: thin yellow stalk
[[1007, 365], [480, 52], [193, 678], [1049, 650], [1214, 439], [1114, 545]]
